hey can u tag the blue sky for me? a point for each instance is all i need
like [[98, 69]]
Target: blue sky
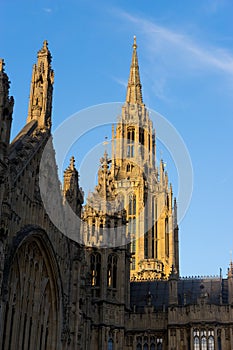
[[185, 54]]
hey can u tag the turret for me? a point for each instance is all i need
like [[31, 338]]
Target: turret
[[40, 102], [71, 190], [103, 214]]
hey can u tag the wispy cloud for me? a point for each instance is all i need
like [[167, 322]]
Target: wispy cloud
[[47, 10], [121, 82], [159, 88], [181, 46]]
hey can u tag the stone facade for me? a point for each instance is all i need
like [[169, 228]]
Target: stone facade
[[121, 289]]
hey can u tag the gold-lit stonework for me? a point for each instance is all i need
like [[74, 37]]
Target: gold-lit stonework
[[122, 290]]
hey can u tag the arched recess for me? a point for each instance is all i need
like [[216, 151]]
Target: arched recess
[[33, 300]]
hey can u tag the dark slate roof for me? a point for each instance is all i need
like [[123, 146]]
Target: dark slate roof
[[141, 291], [190, 290], [24, 146], [26, 131]]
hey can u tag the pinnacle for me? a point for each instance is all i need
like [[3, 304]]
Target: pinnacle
[[134, 89], [72, 163], [71, 168], [44, 51], [45, 44]]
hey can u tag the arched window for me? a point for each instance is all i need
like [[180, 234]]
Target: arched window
[[159, 346], [141, 136], [139, 346], [145, 347], [132, 204], [196, 343], [219, 343], [152, 347], [203, 339], [130, 134], [95, 269], [110, 344], [211, 343], [203, 343], [112, 271], [130, 142], [141, 141], [32, 266]]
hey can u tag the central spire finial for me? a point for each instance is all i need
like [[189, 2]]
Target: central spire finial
[[134, 89], [134, 42]]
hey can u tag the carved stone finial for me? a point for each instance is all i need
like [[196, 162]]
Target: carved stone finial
[[44, 48], [104, 160], [134, 42], [72, 163]]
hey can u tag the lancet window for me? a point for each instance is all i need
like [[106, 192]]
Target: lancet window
[[112, 271], [95, 269], [130, 142], [149, 343], [203, 339], [110, 344], [132, 204]]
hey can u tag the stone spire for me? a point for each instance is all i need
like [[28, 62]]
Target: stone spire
[[134, 89], [40, 102]]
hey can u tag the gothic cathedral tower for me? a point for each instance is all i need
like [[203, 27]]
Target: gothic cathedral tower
[[145, 192], [134, 184]]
